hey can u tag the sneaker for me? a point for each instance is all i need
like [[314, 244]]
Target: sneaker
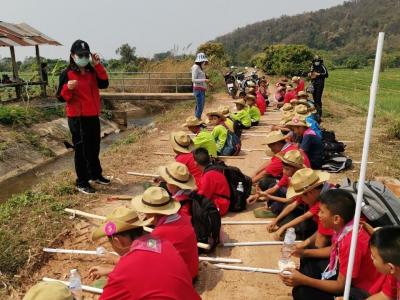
[[86, 189], [102, 180]]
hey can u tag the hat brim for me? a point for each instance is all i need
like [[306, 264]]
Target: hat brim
[[299, 124], [82, 52], [189, 185], [217, 114], [180, 149], [99, 232], [274, 140], [290, 163], [170, 208], [240, 103], [323, 177], [199, 123]]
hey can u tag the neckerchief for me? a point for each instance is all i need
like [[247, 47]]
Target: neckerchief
[[168, 219]]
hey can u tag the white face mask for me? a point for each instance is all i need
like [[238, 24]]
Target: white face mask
[[81, 61]]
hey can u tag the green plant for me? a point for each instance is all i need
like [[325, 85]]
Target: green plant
[[394, 130], [17, 115]]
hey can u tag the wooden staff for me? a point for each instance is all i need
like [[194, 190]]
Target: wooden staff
[[142, 174]]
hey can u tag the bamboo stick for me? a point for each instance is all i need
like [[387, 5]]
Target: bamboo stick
[[147, 229], [248, 269], [253, 150], [245, 222], [142, 174], [220, 259], [85, 288]]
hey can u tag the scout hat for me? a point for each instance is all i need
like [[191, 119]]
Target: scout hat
[[302, 94], [286, 118], [274, 136], [49, 291], [155, 200], [224, 110], [302, 110], [303, 102], [240, 102], [216, 113], [192, 122], [287, 107], [298, 121], [250, 97], [251, 84], [251, 91], [292, 158], [181, 142], [177, 174], [294, 102], [305, 180], [120, 220], [296, 78]]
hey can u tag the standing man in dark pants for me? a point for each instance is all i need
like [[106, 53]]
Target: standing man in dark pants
[[79, 88], [318, 74]]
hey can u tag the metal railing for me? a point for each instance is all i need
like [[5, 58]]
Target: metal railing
[[142, 82]]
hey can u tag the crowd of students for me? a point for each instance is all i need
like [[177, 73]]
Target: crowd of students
[[163, 263]]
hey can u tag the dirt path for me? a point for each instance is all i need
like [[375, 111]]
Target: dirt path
[[213, 283]]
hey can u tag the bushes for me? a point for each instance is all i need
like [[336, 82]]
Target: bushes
[[17, 115], [284, 59]]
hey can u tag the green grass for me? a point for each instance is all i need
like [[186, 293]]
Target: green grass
[[353, 87]]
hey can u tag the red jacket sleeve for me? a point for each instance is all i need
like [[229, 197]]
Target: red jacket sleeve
[[66, 93], [101, 72]]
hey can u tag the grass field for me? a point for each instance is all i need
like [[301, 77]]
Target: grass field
[[353, 87]]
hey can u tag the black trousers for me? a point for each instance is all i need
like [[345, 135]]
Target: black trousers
[[317, 94], [303, 230], [313, 267], [85, 133]]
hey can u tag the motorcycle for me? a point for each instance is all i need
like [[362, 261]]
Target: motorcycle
[[231, 85]]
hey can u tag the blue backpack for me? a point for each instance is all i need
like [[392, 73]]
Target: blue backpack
[[232, 145]]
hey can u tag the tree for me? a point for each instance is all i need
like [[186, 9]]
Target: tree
[[162, 55], [213, 50], [284, 59], [127, 54]]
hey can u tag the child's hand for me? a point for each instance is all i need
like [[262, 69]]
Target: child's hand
[[368, 228], [272, 227], [252, 199], [293, 278]]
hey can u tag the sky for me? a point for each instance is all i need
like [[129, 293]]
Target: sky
[[152, 26]]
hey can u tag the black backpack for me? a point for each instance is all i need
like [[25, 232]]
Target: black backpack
[[206, 219], [233, 175], [232, 145], [380, 206]]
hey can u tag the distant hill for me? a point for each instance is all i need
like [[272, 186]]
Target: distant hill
[[348, 29]]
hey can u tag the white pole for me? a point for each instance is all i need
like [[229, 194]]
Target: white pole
[[262, 243], [84, 287], [245, 222], [248, 269], [142, 174], [364, 160], [220, 259]]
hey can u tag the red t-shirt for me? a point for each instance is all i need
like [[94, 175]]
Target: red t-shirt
[[215, 187], [290, 96], [300, 86], [321, 229], [188, 160], [364, 271], [179, 231], [260, 102], [152, 269], [275, 166], [185, 207], [391, 287], [284, 181]]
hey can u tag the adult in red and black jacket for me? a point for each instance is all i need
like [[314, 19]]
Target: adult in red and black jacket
[[79, 87]]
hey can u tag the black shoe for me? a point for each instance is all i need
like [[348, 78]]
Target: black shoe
[[102, 180], [86, 189]]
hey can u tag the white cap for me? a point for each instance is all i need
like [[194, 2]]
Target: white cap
[[201, 57]]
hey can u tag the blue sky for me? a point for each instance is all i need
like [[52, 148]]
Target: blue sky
[[151, 26]]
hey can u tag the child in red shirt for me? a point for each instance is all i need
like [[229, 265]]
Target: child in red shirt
[[156, 204], [214, 185], [183, 146], [324, 279]]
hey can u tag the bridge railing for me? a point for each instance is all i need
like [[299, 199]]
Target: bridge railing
[[150, 82]]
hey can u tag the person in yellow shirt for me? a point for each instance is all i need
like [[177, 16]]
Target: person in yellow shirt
[[220, 130], [254, 112], [228, 121], [203, 138], [242, 115]]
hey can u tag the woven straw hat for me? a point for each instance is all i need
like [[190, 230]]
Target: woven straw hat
[[240, 102], [305, 180], [250, 98], [302, 110], [49, 291], [181, 142], [120, 220], [177, 174], [251, 84], [299, 121], [296, 78], [287, 107], [251, 91], [292, 158], [274, 136], [155, 200], [217, 114], [224, 110], [192, 122], [302, 94]]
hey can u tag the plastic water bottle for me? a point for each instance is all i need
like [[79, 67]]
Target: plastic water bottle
[[240, 187], [370, 212], [75, 284], [287, 249]]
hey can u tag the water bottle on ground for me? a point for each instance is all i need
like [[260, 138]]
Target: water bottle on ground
[[370, 212], [75, 284], [288, 246], [240, 187]]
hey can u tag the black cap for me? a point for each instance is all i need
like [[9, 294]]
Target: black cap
[[80, 47]]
